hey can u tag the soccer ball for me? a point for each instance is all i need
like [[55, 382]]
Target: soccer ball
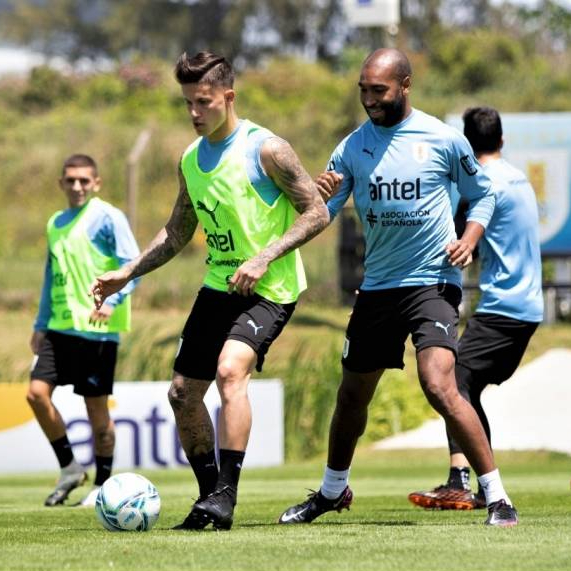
[[128, 502]]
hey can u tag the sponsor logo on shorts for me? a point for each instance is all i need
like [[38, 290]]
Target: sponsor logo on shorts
[[441, 326], [255, 327], [345, 348], [179, 347]]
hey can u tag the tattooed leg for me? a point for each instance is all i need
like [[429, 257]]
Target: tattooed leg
[[195, 429]]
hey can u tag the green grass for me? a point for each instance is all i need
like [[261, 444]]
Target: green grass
[[381, 532]]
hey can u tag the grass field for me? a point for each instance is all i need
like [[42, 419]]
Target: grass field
[[381, 532]]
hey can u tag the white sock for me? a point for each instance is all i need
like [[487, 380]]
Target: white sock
[[492, 485], [334, 482]]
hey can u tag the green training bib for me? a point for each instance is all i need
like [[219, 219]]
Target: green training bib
[[75, 262], [238, 223]]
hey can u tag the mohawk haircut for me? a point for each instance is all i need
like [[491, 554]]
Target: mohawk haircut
[[79, 160], [205, 67], [483, 129]]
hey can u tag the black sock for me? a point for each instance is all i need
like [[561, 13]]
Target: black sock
[[103, 465], [63, 451], [206, 472], [230, 468], [459, 478]]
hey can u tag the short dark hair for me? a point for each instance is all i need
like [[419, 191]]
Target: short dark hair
[[79, 160], [204, 67], [483, 129]]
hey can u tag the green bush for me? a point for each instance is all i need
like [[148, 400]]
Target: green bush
[[46, 88]]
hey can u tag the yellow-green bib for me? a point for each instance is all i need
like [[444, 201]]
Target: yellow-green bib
[[75, 262], [239, 224]]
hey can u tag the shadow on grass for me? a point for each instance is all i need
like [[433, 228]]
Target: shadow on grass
[[404, 523]]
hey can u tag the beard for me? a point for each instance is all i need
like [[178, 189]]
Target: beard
[[393, 113]]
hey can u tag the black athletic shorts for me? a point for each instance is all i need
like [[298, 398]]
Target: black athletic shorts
[[382, 320], [218, 316], [493, 345], [70, 360]]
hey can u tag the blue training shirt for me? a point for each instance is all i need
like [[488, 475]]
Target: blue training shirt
[[510, 273], [210, 154], [401, 178], [111, 234]]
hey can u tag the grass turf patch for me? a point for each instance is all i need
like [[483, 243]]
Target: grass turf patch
[[382, 531]]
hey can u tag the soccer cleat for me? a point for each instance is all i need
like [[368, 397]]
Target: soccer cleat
[[316, 505], [65, 485], [217, 508], [89, 500], [445, 498], [501, 514], [480, 500]]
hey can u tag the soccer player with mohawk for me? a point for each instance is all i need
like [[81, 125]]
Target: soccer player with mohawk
[[244, 185]]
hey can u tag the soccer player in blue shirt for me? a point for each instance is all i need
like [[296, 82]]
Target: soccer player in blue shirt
[[399, 166], [511, 302]]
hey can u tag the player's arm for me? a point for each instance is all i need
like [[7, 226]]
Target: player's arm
[[284, 167], [328, 184], [44, 309], [167, 243], [475, 187]]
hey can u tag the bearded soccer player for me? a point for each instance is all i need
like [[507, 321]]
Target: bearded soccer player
[[399, 165], [244, 185], [75, 343], [511, 303]]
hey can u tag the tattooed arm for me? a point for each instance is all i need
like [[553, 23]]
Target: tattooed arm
[[167, 243], [284, 167]]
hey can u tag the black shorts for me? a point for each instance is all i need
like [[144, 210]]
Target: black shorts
[[218, 316], [382, 320], [492, 345], [70, 360]]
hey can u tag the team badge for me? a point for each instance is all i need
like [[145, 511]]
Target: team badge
[[468, 165], [420, 151]]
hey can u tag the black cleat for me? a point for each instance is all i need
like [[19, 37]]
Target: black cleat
[[189, 523], [480, 500], [65, 485], [316, 505], [501, 514], [217, 509]]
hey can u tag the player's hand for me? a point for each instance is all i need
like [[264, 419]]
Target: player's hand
[[328, 184], [246, 277], [99, 317], [36, 341], [108, 284], [459, 253]]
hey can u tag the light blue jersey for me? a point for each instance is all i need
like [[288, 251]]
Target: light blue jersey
[[401, 178], [210, 154], [510, 273], [110, 233]]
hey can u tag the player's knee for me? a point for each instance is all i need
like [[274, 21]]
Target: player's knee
[[352, 397], [37, 399], [442, 396], [177, 395], [230, 379]]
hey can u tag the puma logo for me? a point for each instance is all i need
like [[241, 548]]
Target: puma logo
[[370, 152], [445, 327], [201, 206], [256, 327]]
